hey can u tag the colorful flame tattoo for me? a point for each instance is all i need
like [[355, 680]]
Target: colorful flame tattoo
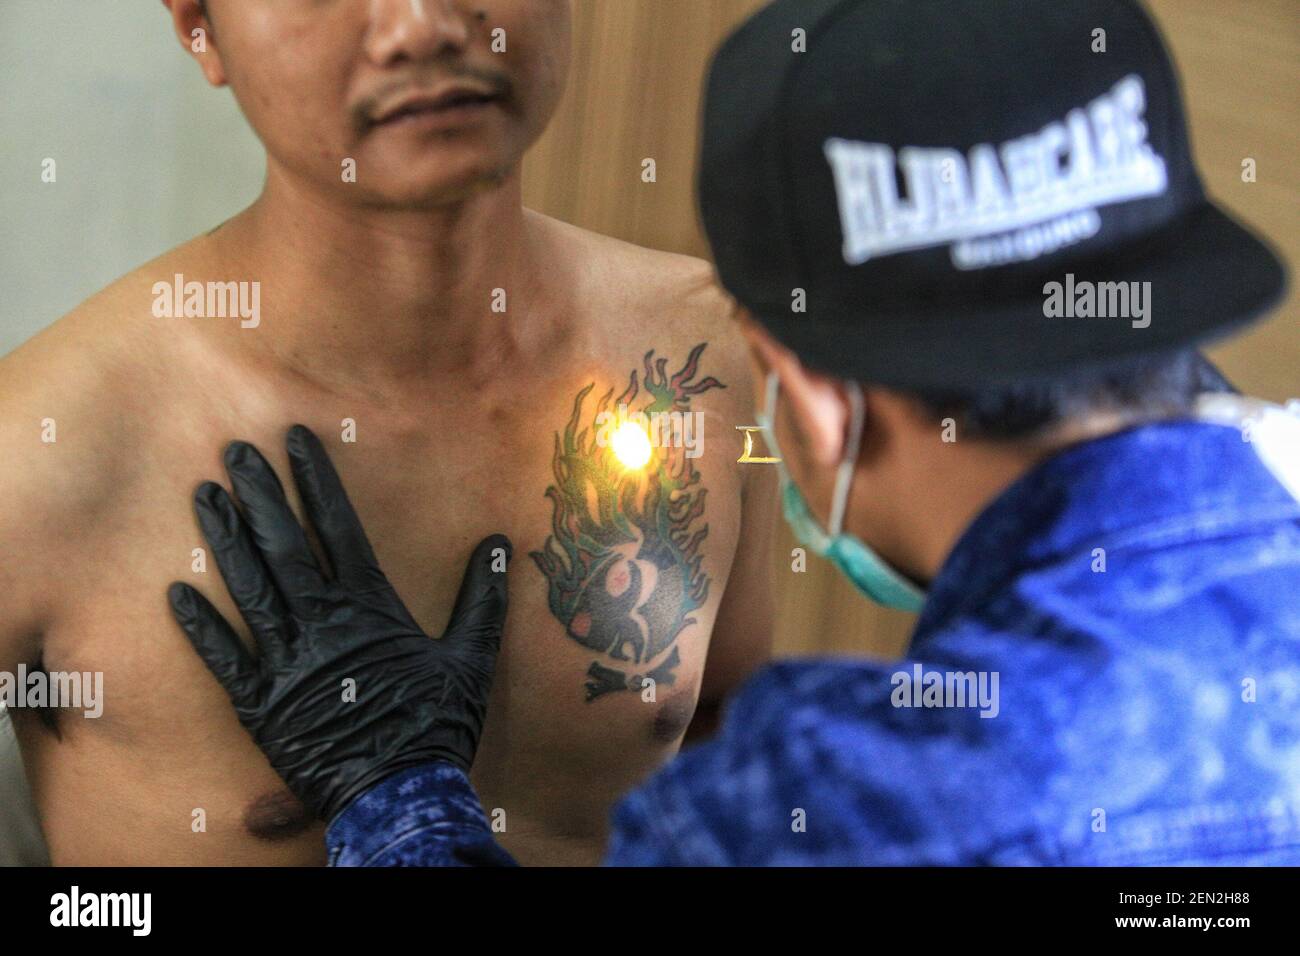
[[623, 558]]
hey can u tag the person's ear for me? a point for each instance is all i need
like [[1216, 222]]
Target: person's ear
[[194, 30], [758, 363], [818, 404]]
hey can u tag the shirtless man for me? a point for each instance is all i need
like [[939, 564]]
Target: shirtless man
[[453, 350]]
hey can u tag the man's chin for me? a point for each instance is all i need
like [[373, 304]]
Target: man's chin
[[433, 192]]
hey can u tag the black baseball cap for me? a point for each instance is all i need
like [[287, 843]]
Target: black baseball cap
[[923, 169]]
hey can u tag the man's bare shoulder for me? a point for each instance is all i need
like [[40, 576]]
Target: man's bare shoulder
[[108, 327], [613, 266], [70, 399], [649, 289]]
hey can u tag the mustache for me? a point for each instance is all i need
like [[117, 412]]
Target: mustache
[[365, 109]]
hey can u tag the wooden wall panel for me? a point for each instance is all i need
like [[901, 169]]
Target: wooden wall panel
[[638, 67], [1239, 64]]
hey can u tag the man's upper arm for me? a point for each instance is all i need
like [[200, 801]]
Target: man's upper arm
[[742, 632], [48, 480], [22, 547]]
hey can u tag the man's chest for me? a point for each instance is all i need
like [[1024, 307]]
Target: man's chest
[[619, 565]]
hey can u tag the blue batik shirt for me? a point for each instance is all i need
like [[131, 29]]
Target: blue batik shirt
[[1106, 671]]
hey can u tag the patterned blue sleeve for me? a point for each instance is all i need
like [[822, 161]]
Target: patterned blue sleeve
[[635, 839], [425, 816]]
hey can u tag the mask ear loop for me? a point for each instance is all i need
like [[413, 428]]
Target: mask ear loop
[[844, 477], [771, 386]]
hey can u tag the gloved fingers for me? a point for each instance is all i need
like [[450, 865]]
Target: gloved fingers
[[246, 576], [480, 611], [332, 514], [276, 531], [218, 644]]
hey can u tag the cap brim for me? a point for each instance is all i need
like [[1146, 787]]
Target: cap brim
[[1208, 275]]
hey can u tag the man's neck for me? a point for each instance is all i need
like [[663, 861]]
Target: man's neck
[[354, 292], [966, 478]]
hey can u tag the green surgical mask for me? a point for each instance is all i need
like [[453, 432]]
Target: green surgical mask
[[867, 570]]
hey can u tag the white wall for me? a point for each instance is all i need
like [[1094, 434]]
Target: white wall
[[148, 155]]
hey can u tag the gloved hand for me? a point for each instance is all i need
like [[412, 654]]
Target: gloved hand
[[417, 699]]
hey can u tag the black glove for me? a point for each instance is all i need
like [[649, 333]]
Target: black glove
[[416, 699]]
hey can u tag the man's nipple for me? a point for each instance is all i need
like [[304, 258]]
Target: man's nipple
[[276, 816]]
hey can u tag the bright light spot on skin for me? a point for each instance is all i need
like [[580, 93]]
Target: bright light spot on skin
[[631, 445]]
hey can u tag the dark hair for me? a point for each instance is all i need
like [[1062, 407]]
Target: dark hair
[[1143, 387]]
